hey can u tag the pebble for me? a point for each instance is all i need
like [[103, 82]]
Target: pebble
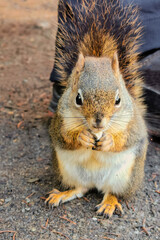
[[43, 25], [75, 237], [8, 200], [33, 229], [32, 180], [25, 80], [27, 209], [1, 201]]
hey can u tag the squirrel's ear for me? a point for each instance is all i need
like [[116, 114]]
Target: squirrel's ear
[[115, 64], [77, 69], [80, 63]]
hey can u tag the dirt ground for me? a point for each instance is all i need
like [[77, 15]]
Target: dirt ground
[[27, 32]]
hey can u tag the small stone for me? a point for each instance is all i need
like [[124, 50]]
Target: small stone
[[33, 229], [75, 237], [8, 200], [43, 25], [23, 210], [1, 201], [32, 180], [25, 80], [27, 209]]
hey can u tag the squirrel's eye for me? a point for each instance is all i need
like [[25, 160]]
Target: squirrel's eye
[[117, 101], [79, 100]]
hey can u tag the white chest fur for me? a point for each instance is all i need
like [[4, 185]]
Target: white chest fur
[[103, 170]]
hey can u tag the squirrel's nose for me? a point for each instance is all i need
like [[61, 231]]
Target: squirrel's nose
[[98, 120]]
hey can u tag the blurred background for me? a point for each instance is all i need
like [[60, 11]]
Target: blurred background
[[27, 33]]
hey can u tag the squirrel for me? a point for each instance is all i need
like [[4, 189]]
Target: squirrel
[[98, 131]]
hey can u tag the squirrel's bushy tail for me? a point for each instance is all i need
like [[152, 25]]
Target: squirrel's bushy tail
[[98, 28]]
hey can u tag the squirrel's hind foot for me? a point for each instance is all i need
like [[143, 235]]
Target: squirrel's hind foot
[[56, 197], [108, 206]]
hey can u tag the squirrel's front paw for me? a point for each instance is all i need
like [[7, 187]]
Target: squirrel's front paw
[[105, 143], [86, 139]]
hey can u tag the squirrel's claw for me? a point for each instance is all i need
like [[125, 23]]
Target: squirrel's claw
[[56, 197], [108, 206], [105, 143], [86, 139]]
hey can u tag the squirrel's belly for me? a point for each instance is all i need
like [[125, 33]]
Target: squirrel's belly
[[103, 170]]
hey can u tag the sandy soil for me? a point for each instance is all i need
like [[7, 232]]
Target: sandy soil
[[27, 32]]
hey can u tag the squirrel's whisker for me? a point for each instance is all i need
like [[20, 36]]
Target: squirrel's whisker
[[75, 117], [73, 123], [118, 121], [78, 126]]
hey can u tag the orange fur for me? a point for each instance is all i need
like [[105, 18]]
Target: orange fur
[[108, 206]]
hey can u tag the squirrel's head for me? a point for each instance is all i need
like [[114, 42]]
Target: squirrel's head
[[96, 97]]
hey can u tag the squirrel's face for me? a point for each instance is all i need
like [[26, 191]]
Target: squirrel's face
[[96, 98], [97, 107]]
